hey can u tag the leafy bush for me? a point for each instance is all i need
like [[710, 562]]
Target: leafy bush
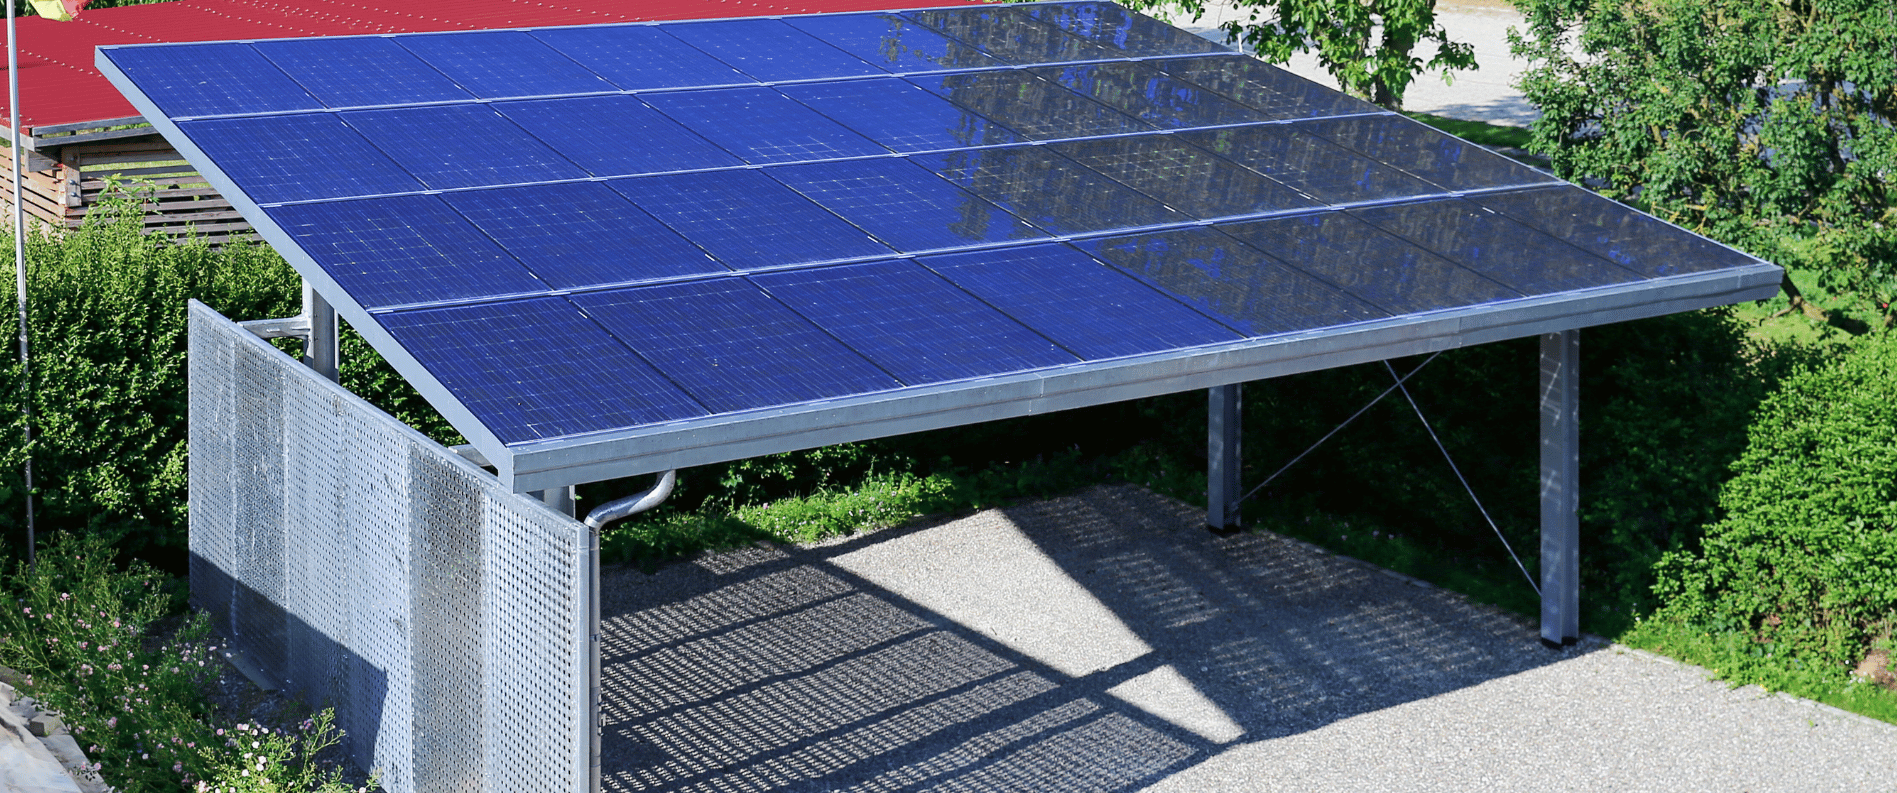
[[81, 629], [1765, 125], [1804, 562]]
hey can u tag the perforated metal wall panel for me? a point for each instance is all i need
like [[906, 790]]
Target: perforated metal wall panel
[[367, 568]]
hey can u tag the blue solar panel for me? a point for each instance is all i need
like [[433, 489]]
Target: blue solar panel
[[1410, 145], [497, 64], [899, 115], [893, 43], [1048, 190], [450, 146], [360, 70], [1383, 270], [1312, 165], [1129, 33], [1031, 106], [1241, 285], [1519, 257], [1186, 177], [636, 57], [731, 346], [747, 220], [402, 249], [614, 135], [196, 80], [600, 238], [1148, 94], [1274, 92], [903, 205], [1011, 37], [762, 125], [770, 50], [1086, 307], [271, 157], [1610, 230], [912, 323], [531, 369]]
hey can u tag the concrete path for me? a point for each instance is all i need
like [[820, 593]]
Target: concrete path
[[1105, 642], [1486, 94]]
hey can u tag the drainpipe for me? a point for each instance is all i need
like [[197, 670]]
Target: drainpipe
[[596, 520]]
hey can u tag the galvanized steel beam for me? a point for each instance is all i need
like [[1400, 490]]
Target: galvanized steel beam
[[1560, 488]]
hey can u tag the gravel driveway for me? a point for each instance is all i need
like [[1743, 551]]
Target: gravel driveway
[[1103, 641]]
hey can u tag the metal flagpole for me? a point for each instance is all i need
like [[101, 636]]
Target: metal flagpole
[[19, 265]]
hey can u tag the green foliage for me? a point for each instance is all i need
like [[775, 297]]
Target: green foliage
[[1743, 660], [1765, 125], [256, 759], [1367, 45], [108, 335], [81, 629], [1804, 563]]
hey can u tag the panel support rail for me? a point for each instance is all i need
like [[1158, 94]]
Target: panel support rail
[[316, 326]]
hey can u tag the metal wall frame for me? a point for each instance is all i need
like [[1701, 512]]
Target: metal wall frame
[[365, 567]]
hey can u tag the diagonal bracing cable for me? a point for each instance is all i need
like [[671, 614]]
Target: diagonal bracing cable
[[1338, 428], [1459, 477]]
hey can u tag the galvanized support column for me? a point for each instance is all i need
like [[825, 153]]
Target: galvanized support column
[[1222, 457], [561, 499], [320, 349], [595, 715], [1560, 488]]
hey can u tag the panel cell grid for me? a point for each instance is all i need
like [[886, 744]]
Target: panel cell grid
[[272, 157], [1186, 177], [615, 135], [747, 220], [1088, 308], [1638, 242], [1515, 255], [905, 206], [510, 382], [1132, 34], [1310, 164], [1012, 37], [1048, 190], [602, 238], [497, 64], [911, 322], [901, 116], [770, 50], [1389, 273], [1414, 147], [637, 57], [357, 71], [1240, 285], [762, 125], [199, 80], [1148, 94], [893, 43], [731, 346], [1029, 105], [452, 146], [403, 249], [1278, 94]]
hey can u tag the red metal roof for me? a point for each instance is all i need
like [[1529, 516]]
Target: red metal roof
[[59, 86]]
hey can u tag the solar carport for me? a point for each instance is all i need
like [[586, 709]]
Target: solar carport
[[619, 250]]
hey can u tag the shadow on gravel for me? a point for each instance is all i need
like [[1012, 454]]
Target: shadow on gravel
[[1099, 642]]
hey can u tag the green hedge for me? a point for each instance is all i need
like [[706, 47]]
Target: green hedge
[[1804, 561]]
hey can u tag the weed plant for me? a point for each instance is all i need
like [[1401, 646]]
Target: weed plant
[[81, 633]]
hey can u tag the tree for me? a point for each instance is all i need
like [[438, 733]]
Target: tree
[[1765, 125], [1367, 45]]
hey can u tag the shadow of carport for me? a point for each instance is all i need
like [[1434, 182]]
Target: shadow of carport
[[1099, 641]]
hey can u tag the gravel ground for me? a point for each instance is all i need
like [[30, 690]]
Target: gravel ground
[[1104, 641]]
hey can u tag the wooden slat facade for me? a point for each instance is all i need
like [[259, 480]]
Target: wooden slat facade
[[63, 183]]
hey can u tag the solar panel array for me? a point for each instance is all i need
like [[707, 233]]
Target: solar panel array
[[578, 230]]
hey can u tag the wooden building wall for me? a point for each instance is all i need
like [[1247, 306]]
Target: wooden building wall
[[63, 183]]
